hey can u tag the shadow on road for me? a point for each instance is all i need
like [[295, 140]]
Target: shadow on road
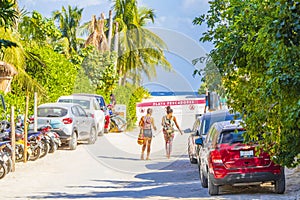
[[178, 179]]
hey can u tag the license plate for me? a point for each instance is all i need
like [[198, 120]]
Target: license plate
[[246, 154]]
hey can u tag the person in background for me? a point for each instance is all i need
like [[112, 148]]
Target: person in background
[[146, 124], [168, 122], [113, 101]]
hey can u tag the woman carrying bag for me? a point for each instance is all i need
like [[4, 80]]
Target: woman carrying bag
[[146, 124], [168, 122]]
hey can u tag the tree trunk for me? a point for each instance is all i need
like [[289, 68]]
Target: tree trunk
[[110, 30]]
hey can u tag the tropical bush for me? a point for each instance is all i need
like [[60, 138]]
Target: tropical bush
[[130, 95]]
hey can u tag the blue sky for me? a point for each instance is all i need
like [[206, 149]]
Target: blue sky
[[173, 23]]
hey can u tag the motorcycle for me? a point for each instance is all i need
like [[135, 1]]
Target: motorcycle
[[49, 136], [5, 153], [5, 133]]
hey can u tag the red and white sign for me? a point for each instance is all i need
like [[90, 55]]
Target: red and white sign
[[171, 103], [182, 107]]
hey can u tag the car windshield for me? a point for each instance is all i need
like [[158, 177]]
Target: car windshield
[[231, 137], [51, 112], [84, 103], [209, 121]]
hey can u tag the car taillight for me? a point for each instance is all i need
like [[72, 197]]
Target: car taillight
[[67, 121], [216, 158], [216, 166]]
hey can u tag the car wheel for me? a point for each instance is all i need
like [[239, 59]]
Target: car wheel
[[93, 136], [192, 159], [279, 185], [100, 132], [212, 189], [73, 141], [203, 178]]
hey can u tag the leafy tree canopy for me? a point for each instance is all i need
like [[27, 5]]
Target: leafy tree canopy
[[100, 69], [258, 55], [38, 29], [57, 75]]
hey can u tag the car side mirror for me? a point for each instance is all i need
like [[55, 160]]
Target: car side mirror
[[199, 141]]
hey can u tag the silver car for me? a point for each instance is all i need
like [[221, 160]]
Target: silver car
[[90, 105], [70, 121]]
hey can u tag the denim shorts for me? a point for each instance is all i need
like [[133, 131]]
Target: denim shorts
[[147, 133]]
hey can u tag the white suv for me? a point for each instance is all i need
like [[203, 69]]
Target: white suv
[[91, 106]]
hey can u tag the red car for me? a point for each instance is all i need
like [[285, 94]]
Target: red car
[[226, 160]]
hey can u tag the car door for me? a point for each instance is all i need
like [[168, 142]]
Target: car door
[[77, 120], [85, 123], [204, 151], [99, 115]]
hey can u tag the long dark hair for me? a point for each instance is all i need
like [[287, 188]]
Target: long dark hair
[[169, 109]]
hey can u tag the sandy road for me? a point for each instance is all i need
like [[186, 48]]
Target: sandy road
[[111, 169]]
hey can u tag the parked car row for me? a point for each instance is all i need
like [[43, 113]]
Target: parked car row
[[73, 118], [217, 146], [77, 117]]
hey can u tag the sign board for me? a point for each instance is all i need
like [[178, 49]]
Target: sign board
[[121, 110], [183, 107]]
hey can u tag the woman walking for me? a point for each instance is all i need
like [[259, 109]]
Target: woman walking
[[146, 124], [168, 122]]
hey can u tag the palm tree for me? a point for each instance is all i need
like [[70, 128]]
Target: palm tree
[[68, 24], [8, 13], [139, 50], [97, 38], [15, 55], [8, 19]]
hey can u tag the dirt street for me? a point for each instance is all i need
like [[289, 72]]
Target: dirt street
[[111, 169]]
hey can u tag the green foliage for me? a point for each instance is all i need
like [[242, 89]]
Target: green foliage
[[211, 77], [15, 100], [69, 20], [8, 13], [35, 28], [82, 83], [258, 56], [57, 75], [100, 69], [130, 95]]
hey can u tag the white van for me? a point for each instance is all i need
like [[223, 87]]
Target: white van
[[91, 106]]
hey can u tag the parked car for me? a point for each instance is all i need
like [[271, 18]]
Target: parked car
[[90, 105], [226, 160], [69, 120], [98, 97], [201, 127], [102, 105]]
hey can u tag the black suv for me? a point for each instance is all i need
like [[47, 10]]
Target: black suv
[[201, 127]]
